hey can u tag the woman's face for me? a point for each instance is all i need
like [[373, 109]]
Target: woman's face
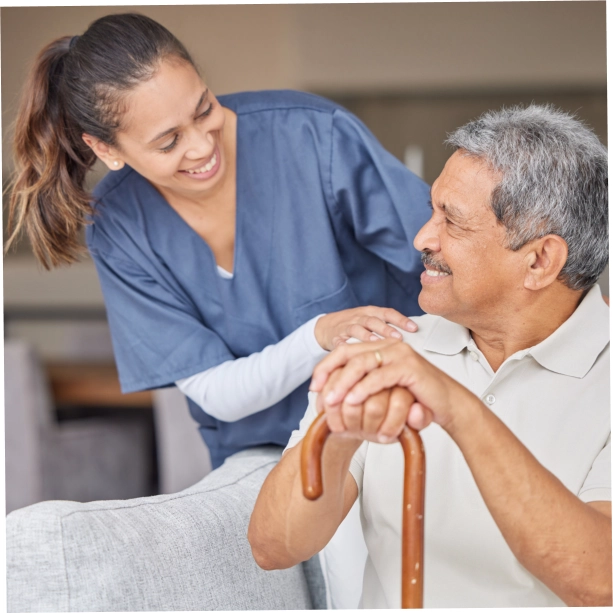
[[173, 133]]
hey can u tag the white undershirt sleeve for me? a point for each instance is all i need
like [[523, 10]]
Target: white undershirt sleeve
[[238, 388]]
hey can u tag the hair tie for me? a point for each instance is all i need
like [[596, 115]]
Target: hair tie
[[72, 42]]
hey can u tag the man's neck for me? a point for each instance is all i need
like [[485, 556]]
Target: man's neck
[[524, 325]]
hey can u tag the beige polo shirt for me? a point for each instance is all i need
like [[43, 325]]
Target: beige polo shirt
[[554, 397]]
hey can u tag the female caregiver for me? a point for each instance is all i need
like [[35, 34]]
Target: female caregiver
[[227, 227]]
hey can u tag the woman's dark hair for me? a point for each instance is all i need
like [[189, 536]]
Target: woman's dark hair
[[77, 85]]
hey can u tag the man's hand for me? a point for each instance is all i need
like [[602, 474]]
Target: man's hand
[[380, 418], [353, 375], [367, 323], [563, 541]]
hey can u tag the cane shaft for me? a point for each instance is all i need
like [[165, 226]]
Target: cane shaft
[[413, 520], [413, 501]]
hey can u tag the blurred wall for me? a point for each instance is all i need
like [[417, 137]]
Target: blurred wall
[[342, 49]]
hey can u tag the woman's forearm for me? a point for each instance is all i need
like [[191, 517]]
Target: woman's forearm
[[563, 541], [285, 527], [239, 388]]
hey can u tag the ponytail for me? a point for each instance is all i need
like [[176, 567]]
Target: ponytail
[[75, 87], [47, 199]]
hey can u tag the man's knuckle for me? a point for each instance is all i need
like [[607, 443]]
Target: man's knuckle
[[376, 410]]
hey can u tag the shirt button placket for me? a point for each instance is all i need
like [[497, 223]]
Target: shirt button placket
[[490, 399]]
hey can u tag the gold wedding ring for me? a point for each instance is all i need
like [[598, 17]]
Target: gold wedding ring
[[378, 358]]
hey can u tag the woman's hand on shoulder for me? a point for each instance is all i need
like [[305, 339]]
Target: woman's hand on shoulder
[[369, 323]]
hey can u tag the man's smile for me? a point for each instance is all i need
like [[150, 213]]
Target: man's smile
[[434, 268]]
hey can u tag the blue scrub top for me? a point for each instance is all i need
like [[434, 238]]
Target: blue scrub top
[[325, 220]]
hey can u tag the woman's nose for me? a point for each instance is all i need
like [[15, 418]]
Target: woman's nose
[[427, 237], [200, 145]]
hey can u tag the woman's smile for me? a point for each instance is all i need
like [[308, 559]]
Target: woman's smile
[[205, 170]]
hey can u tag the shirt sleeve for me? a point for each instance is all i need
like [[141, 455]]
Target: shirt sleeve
[[597, 485], [158, 337], [377, 196], [242, 387]]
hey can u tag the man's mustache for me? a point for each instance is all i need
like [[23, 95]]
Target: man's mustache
[[428, 258]]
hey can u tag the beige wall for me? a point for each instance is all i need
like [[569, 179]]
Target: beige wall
[[352, 48], [450, 46]]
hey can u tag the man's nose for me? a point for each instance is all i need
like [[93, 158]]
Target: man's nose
[[427, 237]]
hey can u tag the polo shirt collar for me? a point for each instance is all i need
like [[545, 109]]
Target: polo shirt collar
[[573, 348], [447, 338]]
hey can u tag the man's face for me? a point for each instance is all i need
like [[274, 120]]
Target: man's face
[[469, 272]]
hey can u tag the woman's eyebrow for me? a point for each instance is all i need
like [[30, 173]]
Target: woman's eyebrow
[[205, 93]]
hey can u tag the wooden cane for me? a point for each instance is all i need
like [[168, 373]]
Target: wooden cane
[[413, 501]]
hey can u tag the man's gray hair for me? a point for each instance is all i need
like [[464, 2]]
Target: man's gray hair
[[554, 181]]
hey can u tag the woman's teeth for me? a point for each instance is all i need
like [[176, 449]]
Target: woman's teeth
[[436, 273], [205, 168]]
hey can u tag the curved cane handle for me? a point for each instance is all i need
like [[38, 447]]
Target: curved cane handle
[[413, 501]]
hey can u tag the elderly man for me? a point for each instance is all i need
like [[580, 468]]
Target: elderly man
[[510, 371]]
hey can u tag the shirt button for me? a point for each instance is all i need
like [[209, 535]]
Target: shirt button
[[474, 356], [490, 399]]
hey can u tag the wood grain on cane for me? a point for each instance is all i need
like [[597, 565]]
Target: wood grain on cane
[[413, 501]]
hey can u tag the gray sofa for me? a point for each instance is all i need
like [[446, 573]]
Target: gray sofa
[[178, 552]]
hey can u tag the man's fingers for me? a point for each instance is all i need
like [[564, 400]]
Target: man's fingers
[[358, 368], [340, 356], [333, 413], [419, 416], [331, 362], [355, 389], [351, 415], [375, 411], [399, 404]]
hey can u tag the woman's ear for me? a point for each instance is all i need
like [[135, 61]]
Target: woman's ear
[[104, 152], [545, 259]]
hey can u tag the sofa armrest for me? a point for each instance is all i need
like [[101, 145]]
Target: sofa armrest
[[176, 552]]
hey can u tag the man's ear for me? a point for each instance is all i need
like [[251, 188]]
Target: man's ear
[[545, 259], [104, 152]]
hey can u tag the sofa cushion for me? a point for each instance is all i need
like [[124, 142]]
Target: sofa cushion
[[177, 552]]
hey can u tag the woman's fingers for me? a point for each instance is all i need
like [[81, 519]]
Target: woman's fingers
[[377, 320], [364, 323], [367, 326], [398, 319]]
